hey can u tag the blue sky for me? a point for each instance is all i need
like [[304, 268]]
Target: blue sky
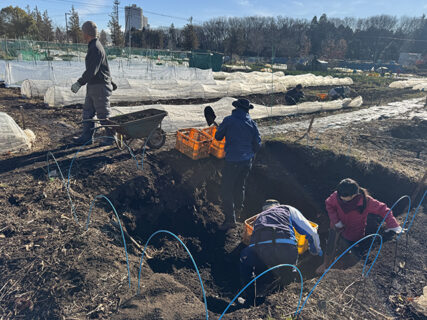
[[98, 10]]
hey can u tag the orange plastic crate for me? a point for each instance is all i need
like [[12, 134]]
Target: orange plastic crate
[[217, 147], [193, 143], [322, 96], [302, 242]]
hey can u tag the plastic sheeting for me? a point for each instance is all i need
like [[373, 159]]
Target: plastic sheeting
[[306, 80], [58, 71], [2, 70], [416, 84], [170, 90], [186, 116], [38, 88], [12, 137]]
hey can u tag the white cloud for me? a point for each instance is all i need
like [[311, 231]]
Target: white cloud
[[298, 3], [95, 6], [244, 3]]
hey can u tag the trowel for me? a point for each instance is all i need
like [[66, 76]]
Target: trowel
[[210, 116]]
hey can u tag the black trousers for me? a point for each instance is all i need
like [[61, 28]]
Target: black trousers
[[234, 175]]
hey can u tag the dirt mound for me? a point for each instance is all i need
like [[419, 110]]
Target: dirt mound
[[416, 130], [162, 298]]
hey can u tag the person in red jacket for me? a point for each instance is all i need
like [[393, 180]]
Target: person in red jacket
[[348, 210]]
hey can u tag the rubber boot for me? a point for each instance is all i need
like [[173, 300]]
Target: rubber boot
[[107, 141], [87, 134]]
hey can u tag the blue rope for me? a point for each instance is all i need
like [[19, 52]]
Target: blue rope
[[103, 137], [336, 260], [416, 211], [63, 181], [192, 259], [385, 217], [120, 225], [75, 156], [260, 275]]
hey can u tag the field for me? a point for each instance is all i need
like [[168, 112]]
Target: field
[[51, 267]]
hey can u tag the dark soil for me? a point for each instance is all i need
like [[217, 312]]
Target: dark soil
[[51, 268]]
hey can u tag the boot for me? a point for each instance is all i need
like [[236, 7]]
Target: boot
[[107, 141], [86, 134]]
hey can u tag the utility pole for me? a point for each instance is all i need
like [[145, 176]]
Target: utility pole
[[66, 25], [116, 8]]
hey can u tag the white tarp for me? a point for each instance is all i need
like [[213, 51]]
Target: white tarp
[[38, 88], [190, 116], [401, 109], [167, 90], [415, 84], [12, 137], [2, 70], [18, 71]]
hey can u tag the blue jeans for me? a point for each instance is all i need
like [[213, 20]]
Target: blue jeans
[[234, 175]]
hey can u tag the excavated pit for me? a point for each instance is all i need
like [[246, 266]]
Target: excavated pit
[[182, 196]]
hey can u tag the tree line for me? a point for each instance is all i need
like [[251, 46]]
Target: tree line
[[378, 37]]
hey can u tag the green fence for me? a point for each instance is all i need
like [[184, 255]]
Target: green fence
[[41, 51]]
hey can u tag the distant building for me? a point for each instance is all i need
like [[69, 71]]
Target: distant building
[[134, 19], [407, 59]]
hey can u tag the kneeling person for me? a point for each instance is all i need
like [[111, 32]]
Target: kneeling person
[[273, 243]]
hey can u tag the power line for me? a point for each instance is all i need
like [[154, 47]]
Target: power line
[[105, 6]]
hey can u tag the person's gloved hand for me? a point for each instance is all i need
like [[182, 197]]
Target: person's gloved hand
[[396, 230], [339, 226], [76, 87], [314, 251], [114, 86]]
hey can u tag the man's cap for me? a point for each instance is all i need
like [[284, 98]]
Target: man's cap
[[270, 203], [90, 28], [242, 103]]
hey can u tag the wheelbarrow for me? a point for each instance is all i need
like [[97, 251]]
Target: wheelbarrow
[[145, 124]]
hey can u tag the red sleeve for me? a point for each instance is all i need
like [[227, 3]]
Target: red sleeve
[[331, 207], [379, 208]]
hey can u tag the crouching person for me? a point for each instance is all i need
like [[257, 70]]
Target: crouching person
[[348, 210], [273, 243]]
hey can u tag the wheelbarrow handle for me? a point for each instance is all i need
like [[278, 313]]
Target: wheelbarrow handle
[[109, 125], [93, 120]]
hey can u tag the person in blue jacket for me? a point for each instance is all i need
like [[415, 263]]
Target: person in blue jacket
[[242, 141], [273, 243]]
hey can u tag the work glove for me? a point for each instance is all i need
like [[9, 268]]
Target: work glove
[[76, 87], [114, 86], [339, 225], [396, 230], [314, 251]]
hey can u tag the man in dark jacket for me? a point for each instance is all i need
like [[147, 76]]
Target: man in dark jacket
[[294, 95], [273, 243], [242, 141], [99, 85]]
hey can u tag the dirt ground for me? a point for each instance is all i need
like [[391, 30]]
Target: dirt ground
[[51, 267]]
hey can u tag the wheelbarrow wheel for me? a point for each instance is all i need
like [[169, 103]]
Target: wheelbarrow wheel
[[157, 139]]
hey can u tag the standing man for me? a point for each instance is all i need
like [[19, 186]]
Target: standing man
[[99, 85], [242, 141]]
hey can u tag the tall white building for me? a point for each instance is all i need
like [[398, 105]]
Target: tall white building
[[134, 18]]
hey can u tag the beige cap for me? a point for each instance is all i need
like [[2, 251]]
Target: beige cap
[[270, 203], [90, 28]]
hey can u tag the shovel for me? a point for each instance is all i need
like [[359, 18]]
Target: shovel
[[210, 116]]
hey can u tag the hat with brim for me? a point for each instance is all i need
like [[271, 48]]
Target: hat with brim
[[243, 104]]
